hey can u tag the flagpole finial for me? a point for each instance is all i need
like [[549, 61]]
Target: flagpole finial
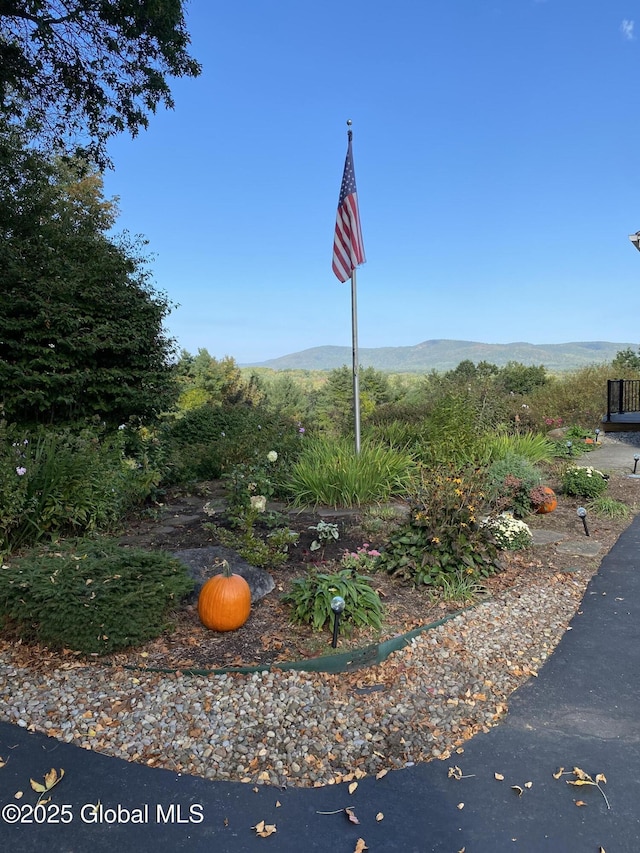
[[349, 122]]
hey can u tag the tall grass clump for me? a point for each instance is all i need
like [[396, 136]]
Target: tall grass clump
[[529, 445], [329, 472]]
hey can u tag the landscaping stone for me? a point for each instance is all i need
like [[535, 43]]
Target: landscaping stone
[[546, 537], [580, 548], [204, 563]]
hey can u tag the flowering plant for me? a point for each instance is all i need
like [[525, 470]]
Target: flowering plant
[[510, 534], [363, 559], [585, 481], [246, 482]]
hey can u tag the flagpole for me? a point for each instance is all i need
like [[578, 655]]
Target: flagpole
[[348, 253], [356, 368]]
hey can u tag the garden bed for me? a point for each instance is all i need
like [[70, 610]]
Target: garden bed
[[269, 637]]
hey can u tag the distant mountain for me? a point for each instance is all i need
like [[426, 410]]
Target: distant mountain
[[443, 355]]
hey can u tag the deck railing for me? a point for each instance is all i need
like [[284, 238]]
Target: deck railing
[[623, 395]]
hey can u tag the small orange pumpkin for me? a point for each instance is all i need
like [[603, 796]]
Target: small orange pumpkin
[[224, 603], [550, 504]]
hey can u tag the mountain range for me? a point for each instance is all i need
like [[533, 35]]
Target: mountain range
[[443, 355]]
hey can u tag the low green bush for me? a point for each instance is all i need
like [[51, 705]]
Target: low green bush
[[90, 596], [584, 481], [310, 598], [509, 483]]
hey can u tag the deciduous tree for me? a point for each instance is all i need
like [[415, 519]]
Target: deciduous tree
[[82, 70]]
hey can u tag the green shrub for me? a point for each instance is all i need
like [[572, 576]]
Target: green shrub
[[509, 483], [510, 533], [329, 472], [310, 598], [59, 482], [270, 552], [207, 442], [584, 481], [442, 537], [90, 596]]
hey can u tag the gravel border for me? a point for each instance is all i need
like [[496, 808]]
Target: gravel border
[[299, 728]]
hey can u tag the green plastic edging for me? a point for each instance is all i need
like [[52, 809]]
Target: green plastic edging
[[342, 662]]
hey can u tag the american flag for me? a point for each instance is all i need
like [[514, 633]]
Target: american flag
[[348, 248]]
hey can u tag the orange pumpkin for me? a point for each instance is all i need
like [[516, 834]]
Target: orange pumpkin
[[550, 504], [224, 603]]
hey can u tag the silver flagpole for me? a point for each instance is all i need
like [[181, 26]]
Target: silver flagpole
[[356, 368]]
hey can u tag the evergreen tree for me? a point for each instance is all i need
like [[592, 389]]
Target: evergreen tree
[[81, 328]]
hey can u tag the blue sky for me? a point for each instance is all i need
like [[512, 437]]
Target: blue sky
[[496, 155]]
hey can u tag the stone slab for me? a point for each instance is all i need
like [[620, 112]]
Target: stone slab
[[546, 537], [580, 547], [204, 563]]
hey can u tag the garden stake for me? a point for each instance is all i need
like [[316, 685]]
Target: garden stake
[[582, 513], [337, 605], [636, 459]]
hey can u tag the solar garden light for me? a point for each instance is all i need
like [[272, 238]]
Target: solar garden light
[[636, 459], [582, 513], [569, 446], [597, 435], [337, 605]]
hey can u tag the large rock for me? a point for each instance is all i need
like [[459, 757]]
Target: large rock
[[204, 563]]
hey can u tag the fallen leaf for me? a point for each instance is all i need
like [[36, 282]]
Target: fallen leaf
[[517, 789], [18, 795], [264, 830], [582, 775], [558, 773], [528, 784], [352, 787], [460, 806], [379, 816], [278, 804], [580, 802], [578, 782], [601, 778], [454, 772], [381, 773], [360, 846], [351, 815], [499, 777]]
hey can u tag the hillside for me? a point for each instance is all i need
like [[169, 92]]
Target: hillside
[[446, 354]]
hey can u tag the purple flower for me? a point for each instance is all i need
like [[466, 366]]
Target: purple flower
[[21, 471], [301, 430]]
